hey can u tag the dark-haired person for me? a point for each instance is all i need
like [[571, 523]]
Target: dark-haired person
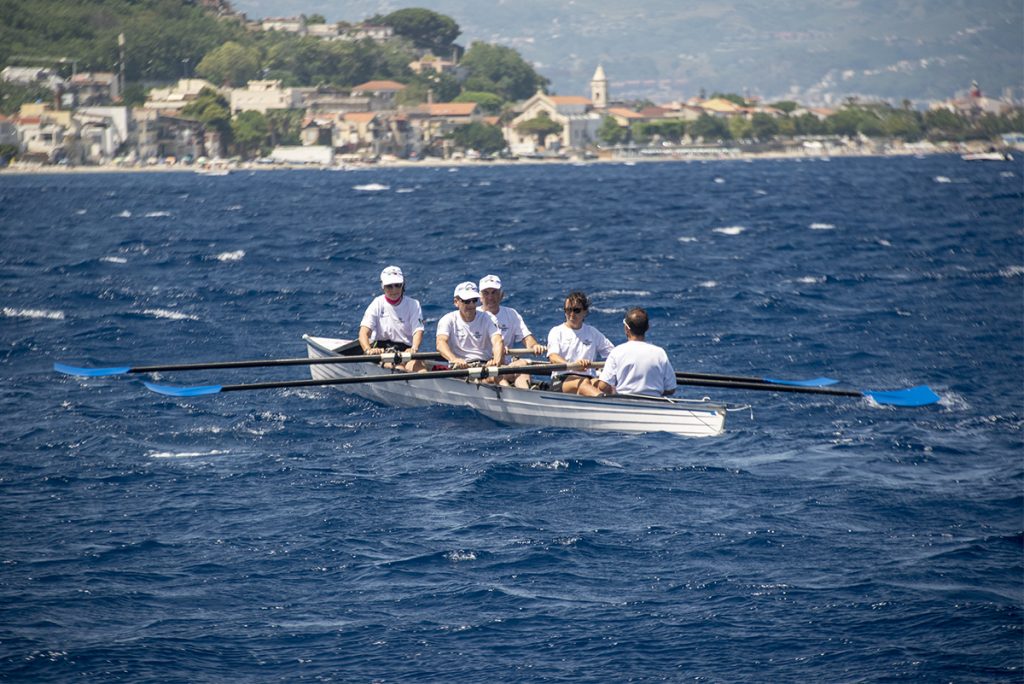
[[636, 366], [392, 321], [577, 343]]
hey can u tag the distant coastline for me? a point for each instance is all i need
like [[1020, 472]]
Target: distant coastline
[[726, 155]]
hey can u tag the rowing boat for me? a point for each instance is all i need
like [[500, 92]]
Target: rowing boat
[[531, 408]]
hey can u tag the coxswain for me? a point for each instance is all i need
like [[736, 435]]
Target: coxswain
[[393, 321]]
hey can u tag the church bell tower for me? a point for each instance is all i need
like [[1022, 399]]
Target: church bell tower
[[599, 89]]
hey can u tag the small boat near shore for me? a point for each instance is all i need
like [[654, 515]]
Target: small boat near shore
[[531, 408], [991, 155]]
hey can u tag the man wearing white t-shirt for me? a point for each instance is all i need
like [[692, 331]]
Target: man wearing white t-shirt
[[511, 325], [465, 337], [637, 367]]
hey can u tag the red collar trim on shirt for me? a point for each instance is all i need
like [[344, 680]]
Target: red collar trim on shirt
[[392, 302]]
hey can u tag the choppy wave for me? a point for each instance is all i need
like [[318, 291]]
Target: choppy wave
[[186, 454], [170, 315], [371, 187], [1012, 271], [236, 255], [730, 230], [822, 226], [33, 313], [114, 260], [157, 214]]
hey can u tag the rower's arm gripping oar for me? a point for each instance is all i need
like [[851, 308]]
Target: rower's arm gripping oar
[[480, 372]]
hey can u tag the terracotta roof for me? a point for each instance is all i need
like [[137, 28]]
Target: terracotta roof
[[721, 105], [449, 108], [492, 120], [359, 117], [569, 100], [378, 86], [30, 120], [625, 113]]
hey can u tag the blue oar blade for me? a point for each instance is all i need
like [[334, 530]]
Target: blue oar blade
[[195, 391], [922, 395], [814, 382], [89, 372]]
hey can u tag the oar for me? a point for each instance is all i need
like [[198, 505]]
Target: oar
[[481, 372], [814, 382], [388, 357], [921, 395]]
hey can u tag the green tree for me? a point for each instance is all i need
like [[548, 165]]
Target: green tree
[[500, 70], [645, 131], [230, 64], [284, 126], [489, 102], [611, 133], [426, 29], [443, 87], [710, 128], [904, 124], [212, 110], [942, 124], [249, 131], [316, 19], [7, 153], [739, 128], [540, 127], [763, 127], [13, 95], [787, 106], [484, 138], [809, 124]]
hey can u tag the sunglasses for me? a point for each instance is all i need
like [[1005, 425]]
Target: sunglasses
[[470, 301], [393, 286], [574, 309]]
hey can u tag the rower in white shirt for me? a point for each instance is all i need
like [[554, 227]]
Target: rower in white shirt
[[466, 337], [511, 325], [393, 321], [579, 344], [636, 366]]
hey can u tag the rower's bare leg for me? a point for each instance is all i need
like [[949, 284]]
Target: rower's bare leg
[[588, 388]]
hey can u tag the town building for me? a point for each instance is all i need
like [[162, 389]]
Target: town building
[[575, 114], [259, 96]]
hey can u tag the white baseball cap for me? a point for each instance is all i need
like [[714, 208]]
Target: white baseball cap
[[467, 290], [490, 281], [392, 275]]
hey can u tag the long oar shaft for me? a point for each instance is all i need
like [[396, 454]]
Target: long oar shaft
[[481, 372], [911, 396], [814, 382], [387, 357]]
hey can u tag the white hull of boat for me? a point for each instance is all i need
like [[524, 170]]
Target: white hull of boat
[[532, 408], [987, 156]]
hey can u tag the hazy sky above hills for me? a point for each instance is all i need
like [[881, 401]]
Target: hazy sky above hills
[[814, 50]]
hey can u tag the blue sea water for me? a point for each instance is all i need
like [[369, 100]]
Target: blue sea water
[[293, 535]]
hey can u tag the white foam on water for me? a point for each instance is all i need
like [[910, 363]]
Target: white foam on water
[[885, 243], [82, 212], [622, 293], [171, 315], [730, 230], [236, 255], [405, 190], [822, 226], [942, 179], [33, 313], [1012, 271], [234, 207], [484, 183], [687, 238], [114, 260], [157, 214], [719, 180], [125, 214], [708, 284], [508, 248], [371, 187], [1007, 174], [186, 454], [811, 280], [459, 556]]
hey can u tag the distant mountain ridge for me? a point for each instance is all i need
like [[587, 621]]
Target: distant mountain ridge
[[816, 51]]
